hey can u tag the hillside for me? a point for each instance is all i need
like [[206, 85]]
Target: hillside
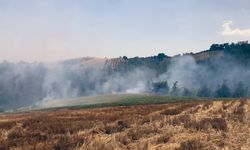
[[199, 125], [240, 51], [205, 55], [221, 71]]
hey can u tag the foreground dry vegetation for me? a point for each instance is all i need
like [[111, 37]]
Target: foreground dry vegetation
[[177, 126]]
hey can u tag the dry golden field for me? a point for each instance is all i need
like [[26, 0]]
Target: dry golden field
[[197, 125]]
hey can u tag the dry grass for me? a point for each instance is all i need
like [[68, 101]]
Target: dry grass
[[176, 126]]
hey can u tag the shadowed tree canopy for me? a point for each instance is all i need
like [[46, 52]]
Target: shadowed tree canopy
[[175, 91], [187, 92], [204, 91], [161, 87], [240, 90], [223, 90]]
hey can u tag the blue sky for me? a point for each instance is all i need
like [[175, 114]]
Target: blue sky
[[49, 30]]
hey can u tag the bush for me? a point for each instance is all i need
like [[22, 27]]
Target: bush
[[16, 133], [117, 127], [215, 123], [190, 145], [164, 138]]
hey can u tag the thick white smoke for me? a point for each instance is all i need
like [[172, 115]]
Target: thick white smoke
[[23, 84]]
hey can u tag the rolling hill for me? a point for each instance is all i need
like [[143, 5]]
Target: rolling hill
[[220, 71]]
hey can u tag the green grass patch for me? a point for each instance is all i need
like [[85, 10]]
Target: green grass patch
[[130, 100]]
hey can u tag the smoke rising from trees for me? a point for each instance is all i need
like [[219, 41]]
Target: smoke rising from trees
[[24, 84]]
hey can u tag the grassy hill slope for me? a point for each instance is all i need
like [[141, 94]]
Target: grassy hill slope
[[111, 100]]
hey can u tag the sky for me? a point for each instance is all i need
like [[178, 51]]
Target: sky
[[51, 30]]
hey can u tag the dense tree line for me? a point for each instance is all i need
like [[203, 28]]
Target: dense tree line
[[222, 90], [158, 63], [239, 50]]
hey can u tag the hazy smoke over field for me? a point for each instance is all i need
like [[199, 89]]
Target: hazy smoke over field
[[23, 84], [184, 70], [223, 77], [191, 74]]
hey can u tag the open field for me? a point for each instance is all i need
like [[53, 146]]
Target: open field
[[110, 100], [191, 125]]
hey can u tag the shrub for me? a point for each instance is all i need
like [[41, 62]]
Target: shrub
[[116, 127], [190, 145], [164, 138], [215, 123], [15, 133]]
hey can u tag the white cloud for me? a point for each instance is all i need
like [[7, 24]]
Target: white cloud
[[228, 31]]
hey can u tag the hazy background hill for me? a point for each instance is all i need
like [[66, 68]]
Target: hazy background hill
[[239, 52], [221, 71]]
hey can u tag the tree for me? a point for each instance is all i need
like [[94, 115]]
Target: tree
[[223, 91], [161, 87], [204, 91], [186, 92], [215, 47], [160, 56], [175, 91], [125, 57], [240, 90]]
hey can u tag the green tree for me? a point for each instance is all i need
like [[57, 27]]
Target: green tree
[[223, 90], [125, 57], [161, 56], [204, 91], [186, 92], [175, 91], [161, 87], [240, 90]]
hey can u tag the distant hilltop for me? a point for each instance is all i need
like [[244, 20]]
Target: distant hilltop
[[239, 51]]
